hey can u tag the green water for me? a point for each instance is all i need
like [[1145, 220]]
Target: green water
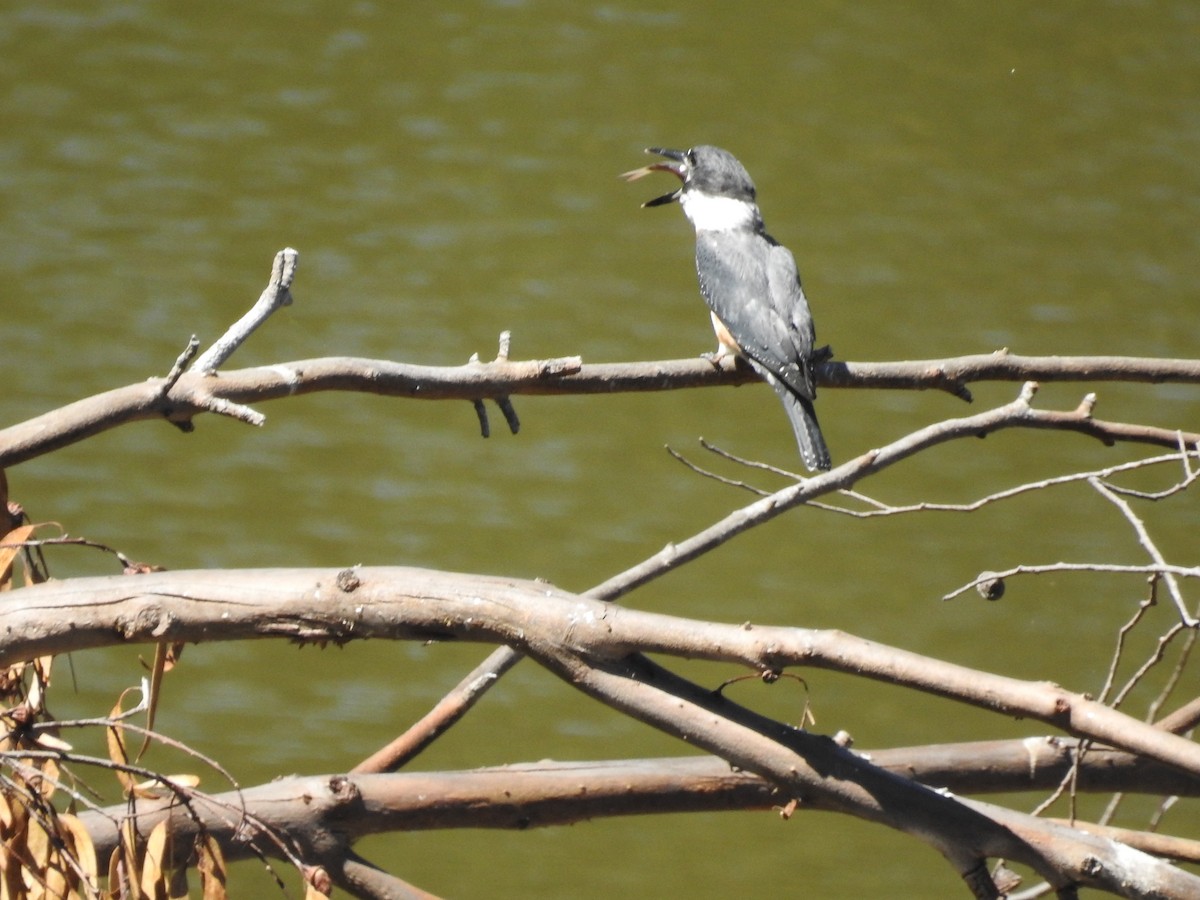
[[952, 177]]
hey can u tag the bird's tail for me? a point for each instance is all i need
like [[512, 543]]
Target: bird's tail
[[803, 417]]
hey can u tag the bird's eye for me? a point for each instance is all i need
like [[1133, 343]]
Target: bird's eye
[[690, 157]]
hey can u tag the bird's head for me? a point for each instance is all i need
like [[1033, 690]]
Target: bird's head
[[716, 191]]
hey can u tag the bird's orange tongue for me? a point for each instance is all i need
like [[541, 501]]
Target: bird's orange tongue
[[675, 168]]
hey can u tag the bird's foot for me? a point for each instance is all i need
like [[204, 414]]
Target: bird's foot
[[717, 357]]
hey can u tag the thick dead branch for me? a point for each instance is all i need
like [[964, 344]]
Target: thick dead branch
[[1033, 763], [966, 833], [321, 605], [550, 793]]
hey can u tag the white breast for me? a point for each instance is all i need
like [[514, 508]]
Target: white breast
[[709, 213]]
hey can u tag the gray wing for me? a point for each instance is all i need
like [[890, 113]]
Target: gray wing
[[758, 297], [787, 297]]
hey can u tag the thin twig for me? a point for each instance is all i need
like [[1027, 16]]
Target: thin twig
[[1123, 633], [749, 463], [706, 473], [180, 366], [1180, 571], [1148, 545], [881, 508], [277, 294]]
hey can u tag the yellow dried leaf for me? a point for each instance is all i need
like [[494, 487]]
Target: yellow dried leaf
[[129, 860], [40, 683], [11, 885], [47, 782], [114, 873], [174, 654], [117, 751], [161, 654], [154, 789], [80, 846], [50, 742], [14, 831], [6, 817], [12, 683], [37, 845], [55, 876], [154, 883], [14, 854], [36, 697], [11, 547], [210, 863], [116, 738]]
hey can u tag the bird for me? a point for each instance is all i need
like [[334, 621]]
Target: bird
[[749, 281]]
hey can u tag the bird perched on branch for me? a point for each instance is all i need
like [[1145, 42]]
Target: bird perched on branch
[[749, 281]]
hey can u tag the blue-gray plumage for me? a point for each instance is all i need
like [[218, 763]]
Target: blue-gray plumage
[[749, 281]]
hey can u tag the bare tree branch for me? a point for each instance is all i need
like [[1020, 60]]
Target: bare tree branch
[[277, 294], [335, 811], [953, 373], [804, 765], [549, 793], [321, 605], [231, 392], [361, 879], [456, 704]]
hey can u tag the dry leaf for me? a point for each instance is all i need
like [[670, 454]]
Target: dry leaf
[[210, 863], [8, 554], [82, 849], [46, 783], [37, 851], [153, 881], [128, 848], [161, 654], [117, 751], [155, 789], [115, 872], [50, 742]]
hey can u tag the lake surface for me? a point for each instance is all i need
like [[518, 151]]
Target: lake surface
[[953, 178]]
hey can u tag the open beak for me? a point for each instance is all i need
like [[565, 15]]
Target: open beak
[[677, 167]]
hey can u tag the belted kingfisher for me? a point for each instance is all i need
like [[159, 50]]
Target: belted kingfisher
[[749, 281]]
